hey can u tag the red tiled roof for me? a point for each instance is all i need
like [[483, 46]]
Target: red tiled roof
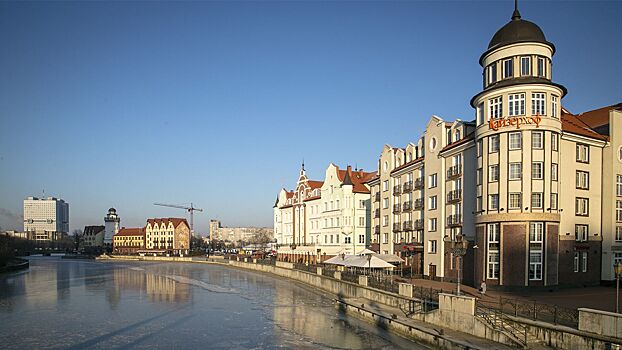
[[175, 221], [358, 177], [574, 125], [416, 160], [598, 117], [132, 231], [315, 184]]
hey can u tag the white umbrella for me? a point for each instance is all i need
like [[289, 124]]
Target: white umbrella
[[361, 261], [366, 252]]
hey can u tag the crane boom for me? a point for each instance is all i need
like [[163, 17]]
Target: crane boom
[[191, 209]]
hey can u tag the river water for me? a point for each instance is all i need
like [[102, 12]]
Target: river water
[[87, 304]]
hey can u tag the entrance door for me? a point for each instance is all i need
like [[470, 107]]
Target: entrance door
[[432, 271]]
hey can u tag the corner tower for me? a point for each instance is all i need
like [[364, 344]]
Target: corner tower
[[111, 221], [517, 134]]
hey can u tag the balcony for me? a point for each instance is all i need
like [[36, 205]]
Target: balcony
[[407, 226], [377, 197], [396, 208], [454, 172], [397, 227], [418, 224], [377, 229], [396, 190], [419, 183], [407, 206], [408, 186], [418, 204], [454, 196], [454, 220], [377, 213]]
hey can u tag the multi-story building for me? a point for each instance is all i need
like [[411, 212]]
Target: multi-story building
[[236, 234], [421, 194], [112, 221], [129, 240], [93, 236], [46, 219], [168, 234], [320, 219]]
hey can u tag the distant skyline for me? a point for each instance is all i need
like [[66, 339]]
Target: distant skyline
[[123, 104]]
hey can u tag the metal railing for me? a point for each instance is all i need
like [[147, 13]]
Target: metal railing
[[408, 186], [397, 189], [454, 171], [535, 311], [418, 204], [418, 224], [454, 196], [407, 225], [418, 183], [407, 205], [350, 276], [454, 220], [377, 229], [397, 227], [396, 208], [377, 213]]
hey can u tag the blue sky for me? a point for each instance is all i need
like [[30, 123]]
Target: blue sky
[[124, 104]]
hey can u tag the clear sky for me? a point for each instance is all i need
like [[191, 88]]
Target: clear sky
[[122, 104]]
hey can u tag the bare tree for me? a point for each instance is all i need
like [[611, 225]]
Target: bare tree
[[78, 238]]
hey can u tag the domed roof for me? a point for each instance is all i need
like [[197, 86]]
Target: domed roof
[[516, 31], [112, 210]]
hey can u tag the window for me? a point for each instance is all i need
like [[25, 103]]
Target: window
[[493, 202], [432, 181], [478, 204], [618, 233], [583, 261], [515, 171], [493, 251], [492, 73], [536, 239], [385, 220], [583, 153], [493, 145], [554, 105], [493, 173], [576, 261], [432, 225], [580, 233], [525, 66], [432, 202], [583, 180], [617, 258], [385, 185], [618, 185], [495, 107], [479, 176], [581, 206], [541, 71], [538, 102], [432, 246], [553, 200], [618, 211], [515, 140], [536, 200], [480, 145], [536, 170], [554, 142], [516, 104], [362, 221], [346, 240], [554, 171], [361, 239], [480, 114], [537, 139], [385, 238], [507, 68], [385, 203], [515, 202]]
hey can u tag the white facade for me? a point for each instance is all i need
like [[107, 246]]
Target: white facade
[[320, 219], [112, 222], [46, 218]]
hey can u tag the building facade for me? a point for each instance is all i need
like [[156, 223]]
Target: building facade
[[46, 219], [236, 234], [321, 219], [129, 241], [93, 236], [168, 234]]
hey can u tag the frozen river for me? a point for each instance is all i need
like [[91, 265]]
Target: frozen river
[[87, 304]]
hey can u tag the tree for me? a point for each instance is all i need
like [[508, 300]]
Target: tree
[[261, 239], [78, 239]]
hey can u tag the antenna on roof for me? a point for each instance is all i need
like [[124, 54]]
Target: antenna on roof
[[356, 167], [303, 163], [516, 14]]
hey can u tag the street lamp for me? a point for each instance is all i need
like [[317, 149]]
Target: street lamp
[[368, 257], [458, 247], [618, 270]]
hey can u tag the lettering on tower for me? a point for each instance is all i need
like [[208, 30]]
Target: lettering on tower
[[496, 124]]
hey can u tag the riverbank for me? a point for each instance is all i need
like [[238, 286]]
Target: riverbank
[[15, 264]]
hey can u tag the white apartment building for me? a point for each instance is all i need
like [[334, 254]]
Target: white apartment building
[[321, 219], [46, 219]]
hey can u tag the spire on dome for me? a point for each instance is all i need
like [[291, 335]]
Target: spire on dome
[[516, 14]]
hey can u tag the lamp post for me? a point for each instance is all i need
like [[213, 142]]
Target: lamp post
[[458, 247], [618, 270], [368, 257]]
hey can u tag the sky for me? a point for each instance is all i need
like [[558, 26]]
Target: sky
[[123, 104]]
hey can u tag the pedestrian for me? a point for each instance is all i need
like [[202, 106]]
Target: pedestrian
[[482, 287]]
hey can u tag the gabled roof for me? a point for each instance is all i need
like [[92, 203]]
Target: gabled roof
[[572, 124], [405, 165], [358, 178], [462, 141], [176, 221], [93, 230], [315, 184], [132, 231], [598, 119]]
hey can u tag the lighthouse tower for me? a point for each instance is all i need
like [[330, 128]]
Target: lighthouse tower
[[112, 221]]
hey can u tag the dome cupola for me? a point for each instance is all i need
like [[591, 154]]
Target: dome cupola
[[518, 31]]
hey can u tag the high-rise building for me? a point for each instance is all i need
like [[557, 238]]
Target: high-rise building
[[46, 219]]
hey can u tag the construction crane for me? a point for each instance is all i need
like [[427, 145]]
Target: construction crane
[[191, 209]]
